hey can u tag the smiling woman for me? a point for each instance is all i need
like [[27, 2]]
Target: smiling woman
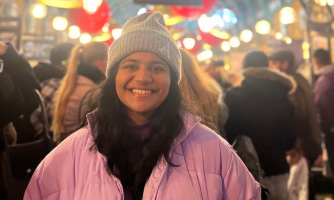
[[141, 143]]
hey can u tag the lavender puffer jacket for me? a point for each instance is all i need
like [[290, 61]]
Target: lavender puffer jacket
[[209, 170]]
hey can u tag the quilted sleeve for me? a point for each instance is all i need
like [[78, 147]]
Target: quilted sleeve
[[238, 182]]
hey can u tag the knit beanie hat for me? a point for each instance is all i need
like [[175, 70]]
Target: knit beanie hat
[[255, 59], [146, 33]]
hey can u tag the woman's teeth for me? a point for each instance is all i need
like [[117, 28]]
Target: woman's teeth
[[136, 91]]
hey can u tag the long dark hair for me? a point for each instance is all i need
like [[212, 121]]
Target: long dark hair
[[116, 135]]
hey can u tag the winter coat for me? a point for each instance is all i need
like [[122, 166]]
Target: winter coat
[[209, 169], [22, 77], [261, 110], [306, 127], [324, 97], [45, 71], [80, 101]]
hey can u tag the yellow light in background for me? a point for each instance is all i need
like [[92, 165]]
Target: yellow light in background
[[322, 2], [220, 34], [102, 38], [74, 32], [59, 23], [287, 15], [262, 27], [199, 37], [279, 35], [63, 3], [208, 54], [166, 16], [189, 43], [225, 46], [330, 2], [38, 10], [246, 35], [306, 55], [227, 67], [305, 46], [105, 28], [116, 33], [174, 20], [85, 38], [177, 36], [91, 6], [206, 24], [234, 42], [288, 40], [200, 57], [206, 46]]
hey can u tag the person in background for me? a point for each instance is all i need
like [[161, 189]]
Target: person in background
[[306, 126], [19, 74], [57, 68], [140, 142], [204, 92], [79, 88], [50, 77], [216, 71], [261, 110], [324, 98]]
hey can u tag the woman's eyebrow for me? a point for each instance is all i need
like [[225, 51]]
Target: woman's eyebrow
[[129, 60], [158, 62]]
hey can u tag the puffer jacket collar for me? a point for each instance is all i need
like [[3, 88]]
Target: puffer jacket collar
[[267, 74], [152, 184]]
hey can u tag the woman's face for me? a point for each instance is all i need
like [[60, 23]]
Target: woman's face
[[142, 83]]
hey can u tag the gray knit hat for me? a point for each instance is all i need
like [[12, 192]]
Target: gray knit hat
[[146, 33]]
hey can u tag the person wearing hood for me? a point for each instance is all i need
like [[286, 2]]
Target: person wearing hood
[[261, 110], [140, 143], [306, 128]]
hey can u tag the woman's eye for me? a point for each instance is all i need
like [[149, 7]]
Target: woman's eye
[[129, 67], [158, 69]]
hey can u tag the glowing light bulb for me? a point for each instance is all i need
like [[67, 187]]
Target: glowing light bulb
[[206, 24], [287, 15], [116, 33], [288, 40], [38, 10], [208, 54], [85, 38], [189, 43], [330, 2], [59, 23], [234, 42], [262, 27], [305, 46], [226, 46], [74, 32], [246, 35], [306, 55], [91, 6], [279, 35], [323, 2]]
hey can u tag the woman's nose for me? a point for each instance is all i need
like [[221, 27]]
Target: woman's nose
[[143, 75]]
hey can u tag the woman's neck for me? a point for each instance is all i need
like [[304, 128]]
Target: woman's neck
[[139, 118]]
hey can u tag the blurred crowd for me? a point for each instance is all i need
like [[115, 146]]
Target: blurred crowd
[[281, 113]]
